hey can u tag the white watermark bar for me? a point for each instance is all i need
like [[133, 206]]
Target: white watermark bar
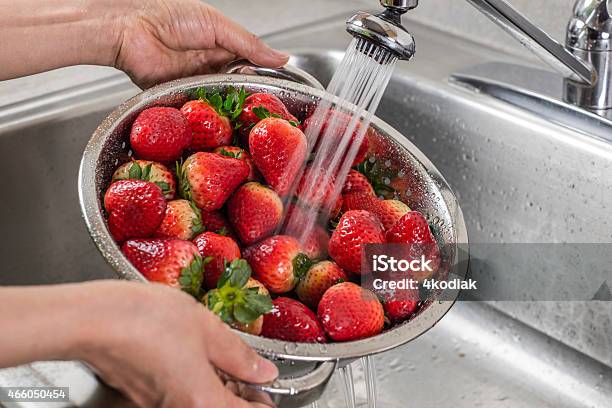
[[34, 394]]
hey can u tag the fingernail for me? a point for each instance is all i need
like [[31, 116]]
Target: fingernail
[[266, 370], [278, 54]]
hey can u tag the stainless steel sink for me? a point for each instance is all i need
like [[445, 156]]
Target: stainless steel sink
[[519, 178]]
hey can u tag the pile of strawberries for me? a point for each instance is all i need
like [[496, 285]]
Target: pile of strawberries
[[198, 207]]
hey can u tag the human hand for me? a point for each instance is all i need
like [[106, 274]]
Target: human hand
[[160, 347], [162, 40]]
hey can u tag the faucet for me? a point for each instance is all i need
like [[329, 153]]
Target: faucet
[[585, 61]]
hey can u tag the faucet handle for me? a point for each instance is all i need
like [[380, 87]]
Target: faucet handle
[[590, 28]]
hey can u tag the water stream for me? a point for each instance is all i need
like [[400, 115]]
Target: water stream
[[334, 137]]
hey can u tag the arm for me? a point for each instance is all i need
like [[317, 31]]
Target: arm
[[151, 40], [154, 343]]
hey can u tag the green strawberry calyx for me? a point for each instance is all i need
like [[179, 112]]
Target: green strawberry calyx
[[301, 265], [192, 276], [262, 113], [184, 187], [232, 301], [224, 152], [196, 222], [230, 106], [137, 172], [378, 176]]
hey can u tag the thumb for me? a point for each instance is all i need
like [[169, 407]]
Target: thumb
[[236, 39], [230, 354]]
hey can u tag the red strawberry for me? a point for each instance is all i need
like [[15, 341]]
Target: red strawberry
[[354, 229], [357, 183], [316, 189], [387, 211], [255, 211], [160, 134], [148, 171], [218, 249], [350, 312], [210, 118], [135, 209], [315, 244], [340, 121], [182, 220], [277, 262], [252, 113], [413, 229], [320, 277], [170, 261], [278, 150], [239, 300], [209, 179], [399, 304], [215, 221], [239, 153], [290, 320]]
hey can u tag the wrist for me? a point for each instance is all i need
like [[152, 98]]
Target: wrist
[[101, 30]]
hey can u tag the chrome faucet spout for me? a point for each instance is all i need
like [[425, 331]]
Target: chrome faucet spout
[[536, 40]]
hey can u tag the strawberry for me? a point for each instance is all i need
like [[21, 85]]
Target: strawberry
[[316, 189], [278, 150], [219, 249], [399, 304], [239, 153], [182, 220], [148, 171], [388, 211], [215, 221], [340, 122], [135, 209], [209, 179], [277, 262], [210, 118], [315, 244], [255, 211], [354, 229], [260, 105], [160, 134], [350, 312], [239, 300], [320, 277], [170, 261], [413, 229], [290, 320], [357, 183]]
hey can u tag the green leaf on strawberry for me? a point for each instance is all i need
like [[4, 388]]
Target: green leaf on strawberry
[[232, 301], [262, 113], [378, 176], [183, 183], [191, 277], [230, 106], [301, 264], [196, 225], [224, 152]]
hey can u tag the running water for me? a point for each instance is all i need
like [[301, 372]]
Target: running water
[[348, 385], [334, 136], [369, 373]]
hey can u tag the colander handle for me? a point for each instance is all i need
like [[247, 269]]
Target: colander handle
[[286, 392], [288, 72]]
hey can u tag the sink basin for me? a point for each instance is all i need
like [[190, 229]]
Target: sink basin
[[519, 178]]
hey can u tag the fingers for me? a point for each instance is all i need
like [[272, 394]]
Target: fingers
[[237, 40], [230, 354]]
